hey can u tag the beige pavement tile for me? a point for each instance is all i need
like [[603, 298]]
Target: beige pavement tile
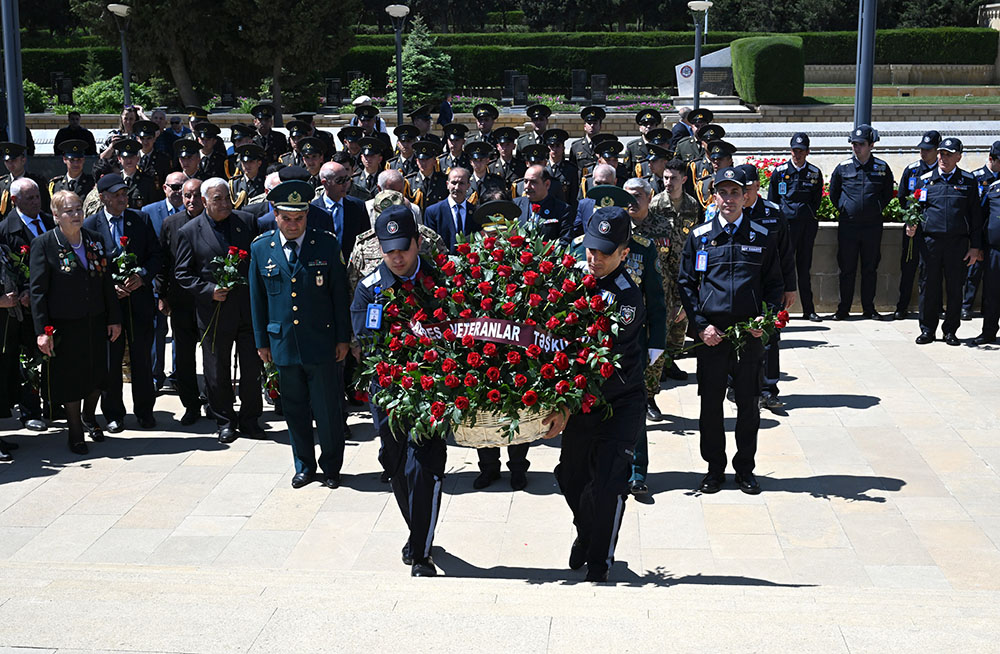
[[166, 506], [332, 542], [289, 509], [238, 494], [827, 567], [44, 504], [737, 519], [907, 576], [969, 569], [197, 541], [14, 538], [884, 540], [65, 539], [117, 494], [930, 508], [956, 534], [745, 546], [124, 545], [806, 523], [258, 549]]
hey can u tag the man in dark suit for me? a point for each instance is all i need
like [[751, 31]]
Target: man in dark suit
[[551, 216], [451, 217], [223, 313], [347, 214], [178, 303], [126, 230]]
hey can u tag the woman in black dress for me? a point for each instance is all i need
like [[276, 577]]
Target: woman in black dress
[[75, 312]]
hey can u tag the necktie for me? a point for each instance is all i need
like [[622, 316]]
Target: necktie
[[459, 228], [338, 222], [37, 225], [293, 252], [71, 185], [116, 229], [730, 228]]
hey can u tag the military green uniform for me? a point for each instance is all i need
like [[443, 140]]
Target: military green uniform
[[447, 161], [635, 153], [689, 149], [582, 154], [657, 231], [531, 138], [699, 184], [367, 253], [681, 220], [362, 181], [404, 166], [292, 158]]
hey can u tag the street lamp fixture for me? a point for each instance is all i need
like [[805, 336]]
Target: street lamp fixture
[[398, 15], [698, 6], [121, 14]]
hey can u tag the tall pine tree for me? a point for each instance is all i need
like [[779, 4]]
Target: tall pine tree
[[427, 72]]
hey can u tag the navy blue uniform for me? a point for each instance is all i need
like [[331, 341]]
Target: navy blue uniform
[[984, 177], [595, 460], [991, 267], [798, 193], [743, 272], [416, 469], [859, 192], [953, 223], [908, 262]]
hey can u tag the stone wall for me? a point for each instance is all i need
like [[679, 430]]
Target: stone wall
[[966, 74]]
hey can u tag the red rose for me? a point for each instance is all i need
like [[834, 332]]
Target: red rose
[[783, 315], [497, 254], [580, 303], [395, 345], [430, 356], [554, 295], [441, 258], [516, 240], [508, 307], [568, 285], [411, 366], [530, 277], [439, 313], [580, 381], [597, 303], [603, 323], [49, 330], [583, 355], [233, 250], [410, 340], [426, 382], [562, 387], [475, 272], [396, 328], [448, 268], [592, 330], [381, 367], [607, 342], [485, 288], [589, 281], [489, 349], [513, 358], [420, 316], [427, 281], [411, 301], [545, 267], [407, 286], [493, 373], [548, 371], [361, 396], [468, 340], [465, 313], [526, 258], [459, 280], [493, 396], [511, 290], [529, 398], [458, 297], [448, 365], [607, 369], [535, 208], [438, 409], [461, 403], [571, 319], [396, 371], [552, 323], [406, 382], [273, 394], [472, 258], [463, 248], [471, 380], [425, 341], [391, 310], [451, 381], [489, 242], [486, 303], [25, 249], [385, 381], [533, 351], [474, 359], [520, 380], [588, 402], [534, 300], [780, 324], [504, 270], [529, 321], [561, 361], [449, 335], [568, 261]]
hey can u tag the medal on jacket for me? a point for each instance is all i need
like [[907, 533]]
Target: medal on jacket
[[319, 279]]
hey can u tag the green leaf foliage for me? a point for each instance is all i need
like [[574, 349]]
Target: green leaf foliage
[[427, 72]]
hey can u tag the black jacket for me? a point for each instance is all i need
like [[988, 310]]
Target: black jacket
[[803, 190], [618, 287], [861, 192], [952, 207], [767, 213], [555, 218], [166, 281]]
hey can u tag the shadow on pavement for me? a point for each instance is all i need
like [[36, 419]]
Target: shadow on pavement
[[853, 488], [830, 401]]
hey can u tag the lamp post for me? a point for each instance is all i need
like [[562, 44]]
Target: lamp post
[[398, 15], [12, 71], [865, 63], [121, 12], [696, 7]]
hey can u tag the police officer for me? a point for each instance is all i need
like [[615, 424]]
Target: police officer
[[860, 188], [729, 267], [302, 327], [239, 135], [597, 448], [985, 176], [274, 143], [991, 265], [581, 153], [416, 469], [796, 186], [454, 134], [909, 258], [538, 114], [952, 235], [141, 187], [638, 149], [486, 115], [155, 163], [75, 179], [507, 165], [250, 182], [427, 185], [404, 161]]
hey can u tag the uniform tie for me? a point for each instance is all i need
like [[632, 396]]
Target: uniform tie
[[730, 228], [293, 252], [71, 185]]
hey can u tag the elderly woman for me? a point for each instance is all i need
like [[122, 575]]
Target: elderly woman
[[75, 312]]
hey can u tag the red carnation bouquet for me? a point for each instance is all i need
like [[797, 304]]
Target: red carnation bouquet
[[510, 328]]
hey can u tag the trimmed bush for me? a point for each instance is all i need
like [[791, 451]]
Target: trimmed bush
[[515, 17], [769, 69], [35, 98]]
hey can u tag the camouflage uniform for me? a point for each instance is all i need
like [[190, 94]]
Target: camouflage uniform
[[672, 223], [367, 255]]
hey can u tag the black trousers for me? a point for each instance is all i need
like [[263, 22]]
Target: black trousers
[[595, 464], [517, 458], [771, 365], [217, 357], [715, 366], [908, 266], [973, 278], [941, 260], [184, 327], [856, 242], [137, 335], [802, 233], [991, 291], [416, 474]]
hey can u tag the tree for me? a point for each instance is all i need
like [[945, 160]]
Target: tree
[[427, 72]]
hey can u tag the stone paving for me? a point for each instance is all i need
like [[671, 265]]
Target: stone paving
[[878, 530]]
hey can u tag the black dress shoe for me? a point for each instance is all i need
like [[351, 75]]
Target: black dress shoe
[[875, 315], [384, 477], [347, 432], [638, 488], [711, 483], [983, 339], [966, 314], [6, 456], [839, 316], [227, 435], [951, 339], [407, 557], [116, 426], [485, 479], [924, 338], [191, 416], [302, 479], [94, 431], [34, 424], [812, 317], [901, 314], [149, 422], [331, 481], [652, 411], [676, 373], [598, 576], [423, 568], [770, 402], [79, 448], [747, 483], [518, 480], [577, 554]]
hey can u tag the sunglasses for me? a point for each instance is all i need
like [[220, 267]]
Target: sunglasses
[[175, 187], [340, 180]]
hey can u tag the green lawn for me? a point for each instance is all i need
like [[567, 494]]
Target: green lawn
[[928, 99]]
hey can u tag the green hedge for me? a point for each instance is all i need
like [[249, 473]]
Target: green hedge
[[37, 63], [545, 67], [769, 69], [563, 39], [514, 17]]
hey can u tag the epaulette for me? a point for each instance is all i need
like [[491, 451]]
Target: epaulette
[[927, 175], [757, 227], [623, 282], [783, 166], [373, 278], [268, 234], [56, 179], [967, 175], [702, 229], [772, 205], [915, 165], [811, 168], [994, 183], [641, 240], [846, 162], [579, 240]]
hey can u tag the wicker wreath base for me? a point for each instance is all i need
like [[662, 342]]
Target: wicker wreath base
[[491, 432]]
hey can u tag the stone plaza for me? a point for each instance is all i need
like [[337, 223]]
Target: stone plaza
[[878, 530]]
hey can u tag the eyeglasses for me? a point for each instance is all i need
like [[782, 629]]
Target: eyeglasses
[[175, 187]]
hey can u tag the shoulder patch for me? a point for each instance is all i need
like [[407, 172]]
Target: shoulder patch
[[757, 227], [771, 205], [927, 175], [846, 162], [702, 229], [880, 161], [641, 240], [623, 282], [812, 168], [372, 279], [915, 165]]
